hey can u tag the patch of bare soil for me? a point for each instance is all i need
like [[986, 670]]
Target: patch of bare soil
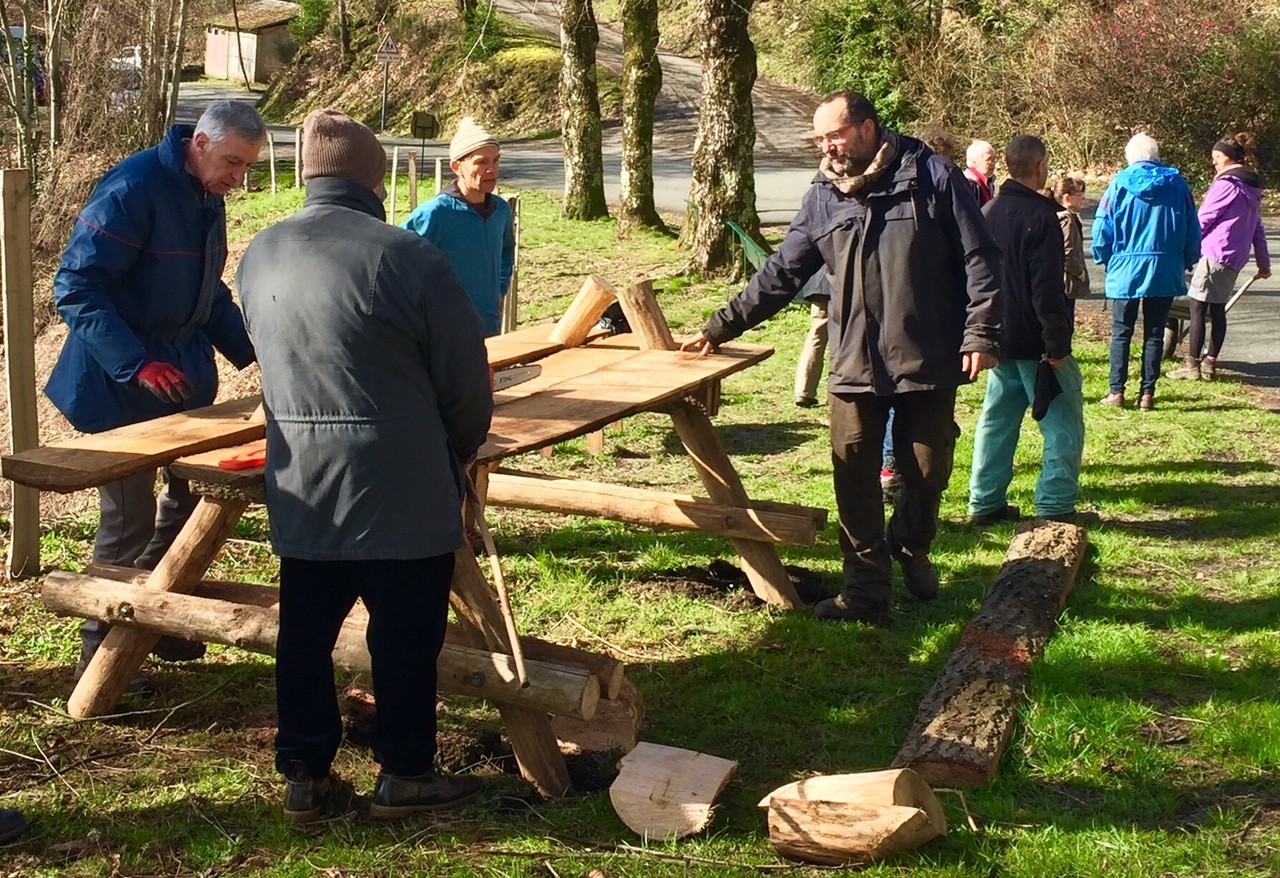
[[726, 585]]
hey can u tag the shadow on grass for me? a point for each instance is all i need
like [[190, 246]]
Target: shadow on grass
[[764, 438]]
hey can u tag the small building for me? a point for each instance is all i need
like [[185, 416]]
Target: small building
[[263, 40]]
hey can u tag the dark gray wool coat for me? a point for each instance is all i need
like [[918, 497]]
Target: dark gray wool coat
[[375, 380]]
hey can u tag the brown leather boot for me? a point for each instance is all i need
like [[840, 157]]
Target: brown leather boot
[[1189, 371]]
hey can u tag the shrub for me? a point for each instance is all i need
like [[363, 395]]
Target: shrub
[[310, 20]]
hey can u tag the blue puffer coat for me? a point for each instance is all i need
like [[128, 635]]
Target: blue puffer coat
[[141, 280], [1145, 232]]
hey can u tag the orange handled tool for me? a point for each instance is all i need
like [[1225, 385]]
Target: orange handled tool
[[245, 460]]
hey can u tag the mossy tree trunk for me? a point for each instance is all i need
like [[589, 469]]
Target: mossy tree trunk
[[723, 185], [641, 81], [580, 113]]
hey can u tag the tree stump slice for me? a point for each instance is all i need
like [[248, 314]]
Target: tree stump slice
[[964, 724], [663, 793], [845, 819]]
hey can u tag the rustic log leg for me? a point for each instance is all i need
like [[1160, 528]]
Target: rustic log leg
[[538, 754], [123, 651], [764, 569]]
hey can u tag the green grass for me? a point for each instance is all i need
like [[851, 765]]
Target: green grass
[[1149, 744]]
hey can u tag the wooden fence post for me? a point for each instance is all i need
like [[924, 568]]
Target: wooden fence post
[[297, 158], [271, 159], [20, 360], [439, 175], [395, 173], [413, 180], [510, 304]]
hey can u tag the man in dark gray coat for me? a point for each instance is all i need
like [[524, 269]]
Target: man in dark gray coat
[[376, 386], [913, 315]]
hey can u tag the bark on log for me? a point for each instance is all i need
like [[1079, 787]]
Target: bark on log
[[583, 313], [607, 670], [853, 818], [580, 113], [965, 722], [641, 82], [463, 670]]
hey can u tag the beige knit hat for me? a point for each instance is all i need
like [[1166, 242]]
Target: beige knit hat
[[469, 138], [335, 145]]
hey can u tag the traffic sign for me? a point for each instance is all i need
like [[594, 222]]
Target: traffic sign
[[387, 52]]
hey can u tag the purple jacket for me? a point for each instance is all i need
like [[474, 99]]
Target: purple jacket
[[1231, 220]]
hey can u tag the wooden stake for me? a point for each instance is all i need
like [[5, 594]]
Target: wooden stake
[[964, 724], [584, 312], [413, 180], [123, 651], [500, 584], [271, 159], [395, 175], [297, 158], [19, 359], [511, 303], [439, 175]]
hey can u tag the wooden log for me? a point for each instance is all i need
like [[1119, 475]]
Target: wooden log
[[511, 301], [439, 175], [297, 158], [20, 364], [584, 312], [122, 651], [615, 727], [760, 562], [663, 793], [651, 508], [271, 160], [608, 671], [413, 180], [964, 724], [558, 689], [539, 757], [853, 818]]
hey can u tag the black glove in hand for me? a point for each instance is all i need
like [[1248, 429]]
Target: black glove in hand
[[167, 383]]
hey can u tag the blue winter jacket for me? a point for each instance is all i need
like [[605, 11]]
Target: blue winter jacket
[[141, 280], [1145, 232], [480, 245]]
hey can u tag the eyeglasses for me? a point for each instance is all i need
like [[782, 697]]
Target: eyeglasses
[[835, 138]]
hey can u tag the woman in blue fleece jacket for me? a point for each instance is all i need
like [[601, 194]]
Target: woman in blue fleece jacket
[[471, 225]]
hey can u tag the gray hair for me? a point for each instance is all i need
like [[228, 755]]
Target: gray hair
[[1141, 148], [976, 151], [231, 117]]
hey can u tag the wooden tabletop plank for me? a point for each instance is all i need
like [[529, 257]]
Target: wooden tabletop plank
[[523, 345], [88, 461]]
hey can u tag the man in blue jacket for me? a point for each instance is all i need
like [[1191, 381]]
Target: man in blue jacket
[[1146, 235], [140, 288], [471, 225], [913, 315]]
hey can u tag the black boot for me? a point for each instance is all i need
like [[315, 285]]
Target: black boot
[[395, 797], [12, 825]]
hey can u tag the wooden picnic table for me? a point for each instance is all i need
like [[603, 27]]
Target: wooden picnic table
[[584, 384]]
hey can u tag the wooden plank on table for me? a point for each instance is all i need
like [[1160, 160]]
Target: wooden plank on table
[[88, 461], [579, 404], [525, 345], [203, 467]]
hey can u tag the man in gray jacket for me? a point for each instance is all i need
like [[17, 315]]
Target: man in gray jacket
[[376, 386], [913, 315]]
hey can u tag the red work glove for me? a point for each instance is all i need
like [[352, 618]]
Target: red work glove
[[167, 383]]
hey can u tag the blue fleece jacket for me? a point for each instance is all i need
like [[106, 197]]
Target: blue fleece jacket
[[141, 280], [1145, 232], [479, 244]]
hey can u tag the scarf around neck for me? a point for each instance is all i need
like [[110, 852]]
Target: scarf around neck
[[851, 183]]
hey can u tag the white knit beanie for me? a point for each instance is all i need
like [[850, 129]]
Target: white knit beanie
[[469, 138]]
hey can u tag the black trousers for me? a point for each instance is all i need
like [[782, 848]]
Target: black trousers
[[408, 603], [924, 442]]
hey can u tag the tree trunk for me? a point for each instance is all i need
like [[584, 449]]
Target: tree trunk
[[344, 32], [235, 15], [466, 8], [16, 78], [641, 81], [580, 113], [175, 65], [723, 185]]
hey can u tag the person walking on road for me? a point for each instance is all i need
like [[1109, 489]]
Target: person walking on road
[[1146, 236], [1230, 225], [913, 315]]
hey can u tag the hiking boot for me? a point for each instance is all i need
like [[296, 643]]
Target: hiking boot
[[1076, 517], [175, 649], [12, 825], [1007, 512], [1115, 400], [806, 402], [395, 797], [1206, 368], [920, 577], [305, 796], [843, 608], [1189, 371], [1147, 402]]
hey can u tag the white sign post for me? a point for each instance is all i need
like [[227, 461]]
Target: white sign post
[[387, 52]]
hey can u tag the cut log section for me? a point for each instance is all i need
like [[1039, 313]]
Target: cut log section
[[663, 793], [614, 728], [794, 525], [965, 722], [584, 312], [845, 819], [553, 688]]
